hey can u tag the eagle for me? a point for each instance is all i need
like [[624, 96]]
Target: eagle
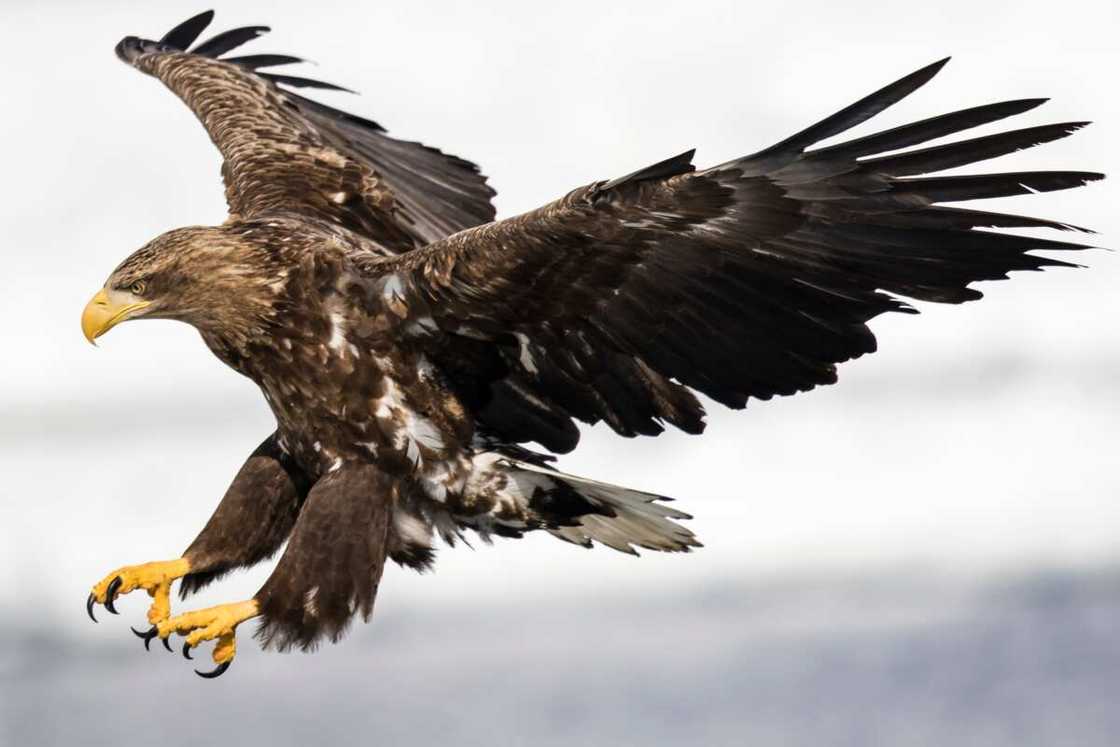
[[425, 362]]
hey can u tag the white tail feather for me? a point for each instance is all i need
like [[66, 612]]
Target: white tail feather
[[639, 519]]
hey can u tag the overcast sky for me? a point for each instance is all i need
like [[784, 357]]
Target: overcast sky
[[980, 436]]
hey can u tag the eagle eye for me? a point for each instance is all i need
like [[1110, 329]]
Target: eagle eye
[[138, 288]]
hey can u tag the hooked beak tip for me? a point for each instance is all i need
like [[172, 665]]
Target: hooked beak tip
[[102, 313]]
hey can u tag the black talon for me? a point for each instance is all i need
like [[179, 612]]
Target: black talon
[[217, 672], [146, 636], [166, 643], [187, 651], [111, 593], [89, 607]]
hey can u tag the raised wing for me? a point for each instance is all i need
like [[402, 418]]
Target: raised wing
[[284, 152], [750, 279]]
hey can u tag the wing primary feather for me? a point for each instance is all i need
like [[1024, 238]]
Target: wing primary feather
[[851, 115], [183, 35], [332, 113], [218, 45], [943, 157], [955, 217], [297, 82], [982, 186], [932, 128], [255, 61]]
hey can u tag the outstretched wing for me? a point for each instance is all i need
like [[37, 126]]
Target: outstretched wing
[[284, 152], [750, 279]]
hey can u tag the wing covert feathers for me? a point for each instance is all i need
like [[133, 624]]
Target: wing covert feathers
[[754, 278]]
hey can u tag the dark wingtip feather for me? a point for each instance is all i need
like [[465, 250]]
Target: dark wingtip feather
[[218, 45], [851, 115], [183, 35], [337, 114], [961, 153], [931, 128], [955, 217], [297, 82], [256, 61], [983, 186]]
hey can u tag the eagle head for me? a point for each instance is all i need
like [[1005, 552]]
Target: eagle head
[[222, 282]]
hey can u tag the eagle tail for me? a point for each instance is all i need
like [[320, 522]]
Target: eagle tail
[[583, 511]]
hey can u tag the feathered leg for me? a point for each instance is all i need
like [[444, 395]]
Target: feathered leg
[[252, 521], [333, 563], [250, 524], [329, 572]]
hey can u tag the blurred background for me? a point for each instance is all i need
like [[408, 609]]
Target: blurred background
[[925, 554]]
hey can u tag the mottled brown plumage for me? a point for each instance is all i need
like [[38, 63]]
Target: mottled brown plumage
[[408, 347], [283, 152]]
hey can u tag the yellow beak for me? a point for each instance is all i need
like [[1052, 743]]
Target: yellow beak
[[106, 310]]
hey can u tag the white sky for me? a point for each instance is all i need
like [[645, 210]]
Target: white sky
[[980, 435]]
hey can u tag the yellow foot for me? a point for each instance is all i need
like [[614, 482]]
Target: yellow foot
[[206, 625], [154, 578]]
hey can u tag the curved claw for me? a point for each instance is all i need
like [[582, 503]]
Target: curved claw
[[187, 651], [166, 643], [216, 672], [145, 636], [89, 607], [111, 593]]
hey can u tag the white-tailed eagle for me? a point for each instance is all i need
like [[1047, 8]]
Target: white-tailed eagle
[[410, 346]]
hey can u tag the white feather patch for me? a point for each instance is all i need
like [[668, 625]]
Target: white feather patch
[[310, 605], [412, 529], [526, 356], [338, 331], [392, 293]]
